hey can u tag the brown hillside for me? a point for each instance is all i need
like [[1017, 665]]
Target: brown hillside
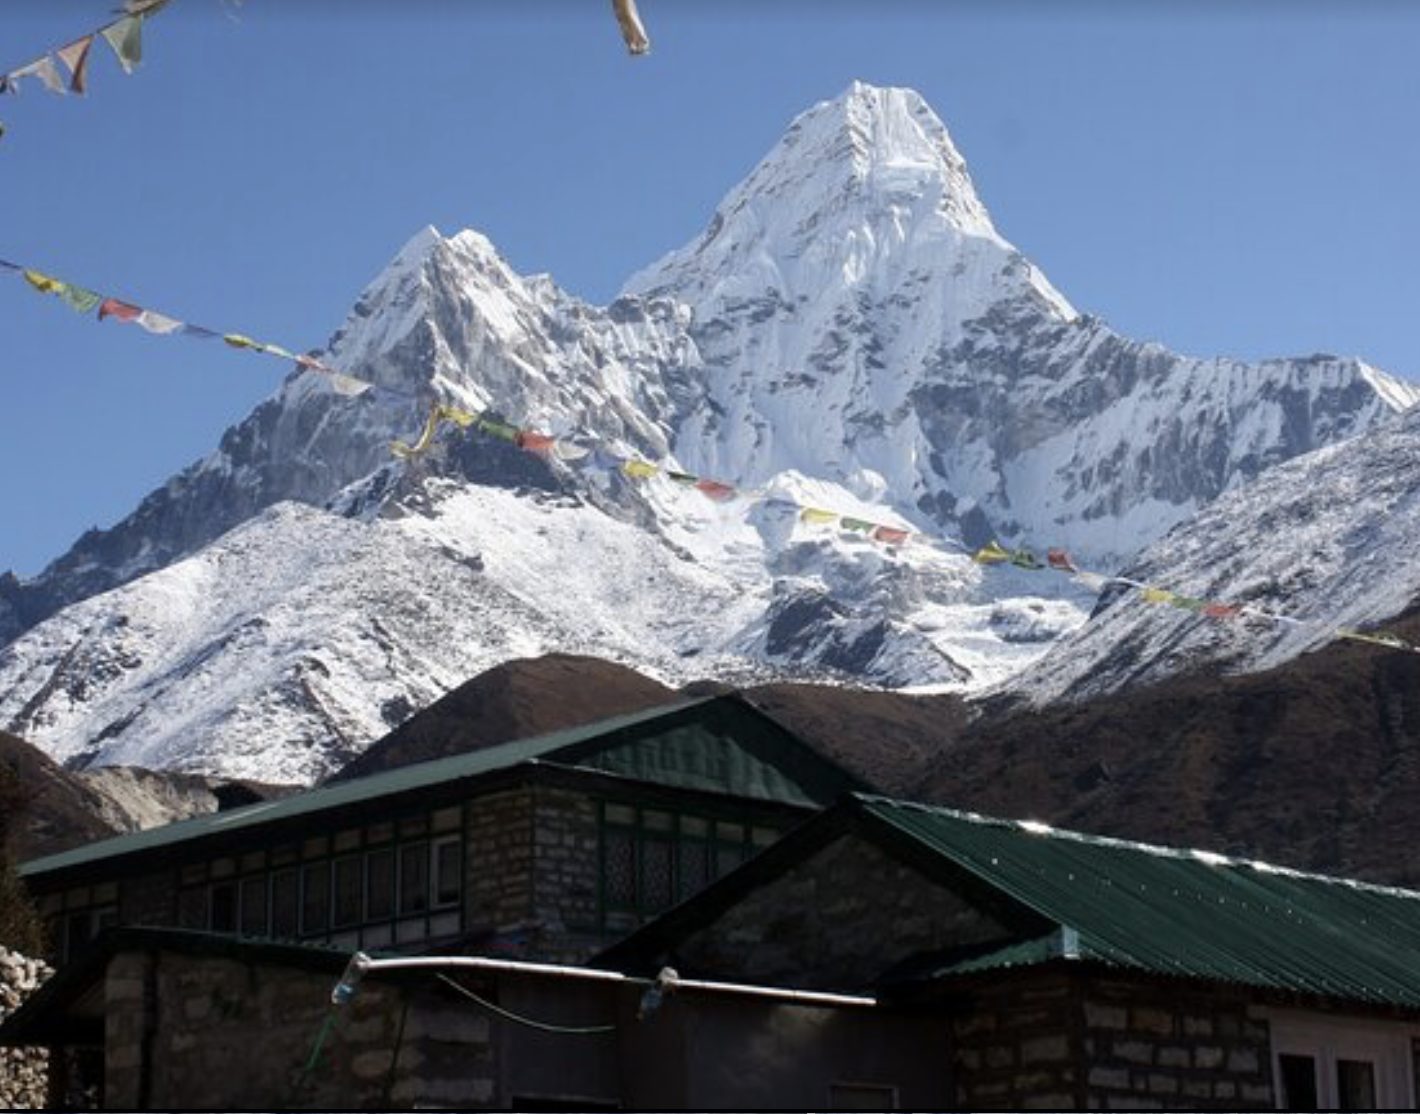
[[515, 700], [60, 810]]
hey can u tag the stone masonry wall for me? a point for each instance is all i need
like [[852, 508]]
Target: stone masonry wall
[[1015, 1045], [24, 1072], [498, 865], [1069, 1039], [1155, 1047], [217, 1033], [836, 921], [566, 876]]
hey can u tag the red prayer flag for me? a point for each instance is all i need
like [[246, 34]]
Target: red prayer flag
[[891, 535], [1059, 559], [112, 307], [1221, 610], [714, 489], [534, 442]]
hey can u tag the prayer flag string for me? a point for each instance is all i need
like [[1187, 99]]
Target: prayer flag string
[[85, 301], [124, 36]]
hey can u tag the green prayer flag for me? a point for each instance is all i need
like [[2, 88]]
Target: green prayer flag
[[1025, 559], [126, 38], [79, 299]]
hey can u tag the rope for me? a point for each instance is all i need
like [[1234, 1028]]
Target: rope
[[398, 1044], [320, 1040], [541, 1026]]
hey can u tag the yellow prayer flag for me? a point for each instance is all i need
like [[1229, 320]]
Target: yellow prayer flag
[[639, 469], [426, 438], [236, 340], [43, 283], [991, 554], [461, 418], [817, 517], [1156, 595]]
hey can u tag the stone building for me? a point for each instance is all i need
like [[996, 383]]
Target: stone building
[[1075, 972], [755, 949], [550, 847]]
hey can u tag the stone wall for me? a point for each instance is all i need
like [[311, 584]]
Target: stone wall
[[210, 1033], [567, 876], [1015, 1045], [532, 875], [23, 1071], [1156, 1047], [1070, 1039], [498, 867], [835, 921]]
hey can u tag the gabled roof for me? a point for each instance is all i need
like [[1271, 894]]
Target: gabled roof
[[720, 744], [1159, 910]]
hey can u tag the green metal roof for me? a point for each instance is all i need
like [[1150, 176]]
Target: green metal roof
[[1177, 912], [719, 744]]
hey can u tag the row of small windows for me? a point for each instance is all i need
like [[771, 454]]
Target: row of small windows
[[74, 918], [652, 859], [399, 882], [317, 898], [384, 884]]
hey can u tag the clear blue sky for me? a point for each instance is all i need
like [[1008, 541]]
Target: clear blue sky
[[1225, 176]]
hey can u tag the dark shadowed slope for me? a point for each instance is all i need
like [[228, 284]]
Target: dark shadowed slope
[[1315, 764]]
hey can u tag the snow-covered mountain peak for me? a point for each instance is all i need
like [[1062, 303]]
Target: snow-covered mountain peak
[[863, 192]]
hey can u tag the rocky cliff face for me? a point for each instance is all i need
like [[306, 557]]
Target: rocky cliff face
[[850, 331], [1326, 541]]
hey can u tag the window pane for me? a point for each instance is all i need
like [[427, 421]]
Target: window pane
[[347, 890], [620, 865], [224, 907], [192, 907], [656, 875], [254, 906], [1298, 1081], [77, 934], [1356, 1084], [315, 898], [414, 878], [285, 904], [379, 896], [727, 858], [694, 872], [447, 870]]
